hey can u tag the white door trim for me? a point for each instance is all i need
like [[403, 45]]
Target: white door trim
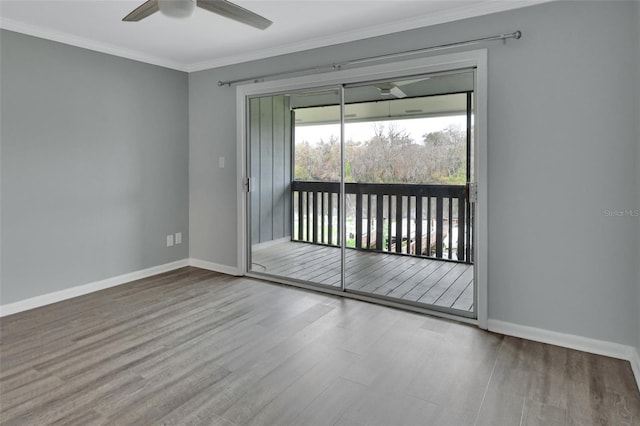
[[447, 62]]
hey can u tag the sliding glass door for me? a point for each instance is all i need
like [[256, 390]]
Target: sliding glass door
[[365, 188], [294, 202], [408, 164]]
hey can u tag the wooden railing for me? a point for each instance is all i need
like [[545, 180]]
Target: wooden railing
[[419, 220]]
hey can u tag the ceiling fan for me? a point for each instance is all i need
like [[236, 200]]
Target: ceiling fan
[[184, 8], [390, 89]]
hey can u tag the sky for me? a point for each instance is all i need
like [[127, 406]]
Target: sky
[[415, 127]]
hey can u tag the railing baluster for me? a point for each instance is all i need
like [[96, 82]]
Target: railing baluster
[[472, 232], [322, 237], [429, 226], [450, 236], [359, 220], [314, 210], [418, 225], [300, 215], [409, 224], [308, 235], [467, 206], [461, 223], [330, 218], [439, 226], [389, 216], [339, 220], [398, 223], [379, 221], [368, 221]]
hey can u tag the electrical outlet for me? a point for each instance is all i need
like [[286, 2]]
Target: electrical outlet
[[221, 162], [178, 238], [169, 240]]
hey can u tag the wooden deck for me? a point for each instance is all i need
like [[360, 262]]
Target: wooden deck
[[407, 278]]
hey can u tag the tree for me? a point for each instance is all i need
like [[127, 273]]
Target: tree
[[390, 156], [448, 151]]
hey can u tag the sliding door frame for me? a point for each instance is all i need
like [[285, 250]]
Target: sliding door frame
[[449, 62]]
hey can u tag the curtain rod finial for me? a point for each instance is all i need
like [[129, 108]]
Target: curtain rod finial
[[517, 35]]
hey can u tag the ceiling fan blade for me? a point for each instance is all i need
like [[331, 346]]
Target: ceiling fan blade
[[235, 12], [395, 91], [145, 9], [407, 82]]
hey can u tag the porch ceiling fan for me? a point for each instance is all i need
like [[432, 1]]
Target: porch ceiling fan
[[184, 8], [390, 89], [394, 88]]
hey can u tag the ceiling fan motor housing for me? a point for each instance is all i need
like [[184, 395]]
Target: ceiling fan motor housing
[[177, 8]]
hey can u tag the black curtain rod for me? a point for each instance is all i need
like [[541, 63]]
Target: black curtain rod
[[338, 66]]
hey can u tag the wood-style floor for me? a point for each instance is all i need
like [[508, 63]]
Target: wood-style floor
[[192, 347], [407, 278]]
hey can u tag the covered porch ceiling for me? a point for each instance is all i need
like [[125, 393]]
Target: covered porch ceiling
[[402, 98]]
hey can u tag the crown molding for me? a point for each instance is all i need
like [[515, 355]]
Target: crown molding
[[85, 43], [449, 15], [441, 17]]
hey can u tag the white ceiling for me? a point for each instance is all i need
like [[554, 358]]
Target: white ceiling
[[206, 40]]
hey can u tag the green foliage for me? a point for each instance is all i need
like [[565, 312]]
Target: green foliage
[[391, 156]]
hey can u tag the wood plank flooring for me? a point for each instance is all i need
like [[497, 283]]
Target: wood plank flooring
[[192, 347], [426, 281]]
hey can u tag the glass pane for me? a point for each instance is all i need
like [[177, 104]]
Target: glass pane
[[406, 169], [295, 171]]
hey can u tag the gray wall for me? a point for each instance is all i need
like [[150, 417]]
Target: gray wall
[[637, 203], [562, 149], [94, 166], [212, 190], [270, 141]]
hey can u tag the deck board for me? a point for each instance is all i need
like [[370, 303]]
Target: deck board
[[415, 283], [465, 300], [426, 281], [429, 282], [388, 274], [456, 289]]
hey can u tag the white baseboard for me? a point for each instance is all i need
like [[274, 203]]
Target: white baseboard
[[215, 267], [46, 299], [571, 341]]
